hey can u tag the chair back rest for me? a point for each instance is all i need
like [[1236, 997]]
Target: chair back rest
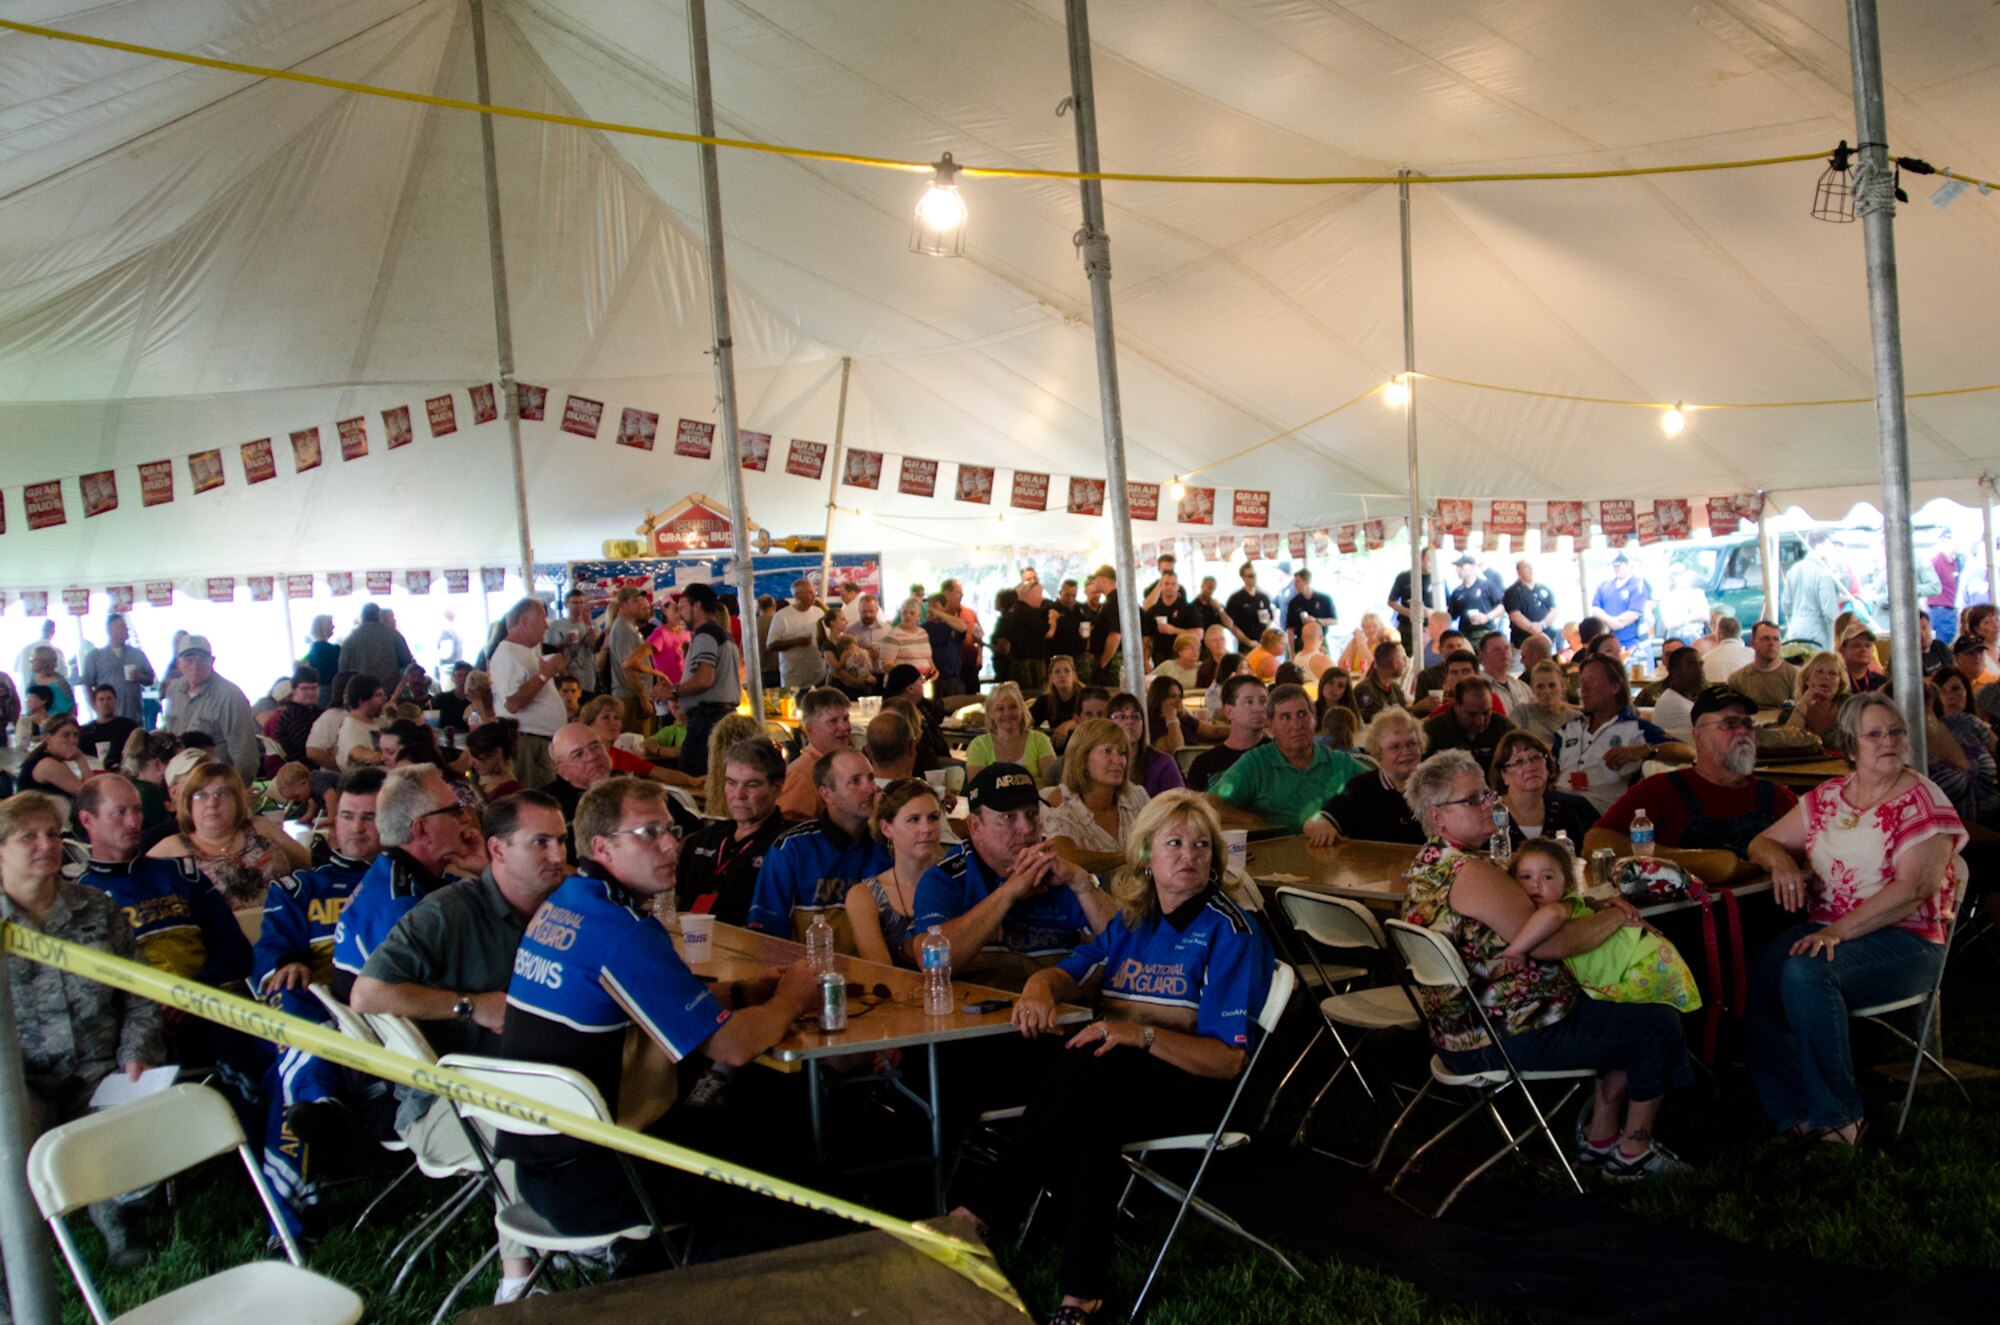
[[345, 1017], [544, 1083], [400, 1035], [1429, 955], [1331, 922], [1187, 754], [685, 799], [135, 1145], [1283, 981]]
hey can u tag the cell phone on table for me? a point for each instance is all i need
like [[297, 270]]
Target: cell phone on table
[[980, 1007]]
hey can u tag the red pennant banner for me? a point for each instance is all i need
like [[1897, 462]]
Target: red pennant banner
[[259, 463], [485, 403], [299, 586], [1225, 546], [1322, 541], [156, 483], [1566, 517], [532, 400], [805, 459], [1252, 509], [417, 581], [159, 593], [458, 581], [100, 492], [1454, 515], [340, 583], [222, 588], [754, 449], [45, 504], [1031, 492], [492, 579], [121, 597], [1142, 500], [353, 438], [1648, 525], [581, 416], [1297, 539], [692, 438], [918, 477], [1376, 532], [35, 602], [396, 427], [1086, 496], [1344, 538], [380, 582], [1723, 516], [1617, 517], [864, 469], [205, 468], [77, 601], [975, 484], [639, 429], [444, 416], [1207, 546], [1508, 517], [1198, 506], [305, 450], [1672, 518], [1750, 505], [261, 588]]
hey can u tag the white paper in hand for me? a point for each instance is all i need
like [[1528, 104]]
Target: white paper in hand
[[118, 1088]]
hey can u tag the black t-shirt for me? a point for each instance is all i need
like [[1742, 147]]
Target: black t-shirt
[[1316, 605], [1210, 613], [1250, 611], [1211, 764], [1105, 625], [1026, 631], [1479, 596], [1051, 710], [113, 733], [1068, 638], [1179, 613], [451, 708], [1533, 601], [718, 873], [1370, 809]]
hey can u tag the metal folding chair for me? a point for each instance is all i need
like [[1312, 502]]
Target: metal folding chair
[[1433, 963], [350, 1023], [1930, 1001], [1340, 924]]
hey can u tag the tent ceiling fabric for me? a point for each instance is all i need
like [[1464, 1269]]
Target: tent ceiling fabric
[[191, 259]]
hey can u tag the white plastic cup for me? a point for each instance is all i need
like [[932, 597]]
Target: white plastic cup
[[131, 671], [1238, 842], [103, 753], [697, 939], [937, 777]]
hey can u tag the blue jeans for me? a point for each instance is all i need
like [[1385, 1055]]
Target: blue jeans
[[1944, 623], [1795, 1034], [1644, 1040]]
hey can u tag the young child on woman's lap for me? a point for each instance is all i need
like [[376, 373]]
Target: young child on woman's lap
[[1635, 965]]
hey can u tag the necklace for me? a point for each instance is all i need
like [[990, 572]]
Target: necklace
[[1853, 812]]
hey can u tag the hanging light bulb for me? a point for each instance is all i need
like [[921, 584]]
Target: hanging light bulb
[[1673, 421], [1177, 489], [1396, 393], [939, 228]]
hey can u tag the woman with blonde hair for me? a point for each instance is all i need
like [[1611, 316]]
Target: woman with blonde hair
[[734, 727], [881, 910], [240, 853], [1822, 685], [1008, 739], [1184, 973], [1100, 802], [478, 701]]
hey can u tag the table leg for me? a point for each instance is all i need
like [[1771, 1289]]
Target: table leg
[[937, 1128], [813, 1103]]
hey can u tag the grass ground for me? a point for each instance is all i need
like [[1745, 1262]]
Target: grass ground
[[1911, 1209]]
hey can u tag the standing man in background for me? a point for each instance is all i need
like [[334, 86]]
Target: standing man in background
[[1942, 606], [123, 666]]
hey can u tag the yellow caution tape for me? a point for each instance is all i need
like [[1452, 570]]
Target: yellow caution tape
[[970, 1260]]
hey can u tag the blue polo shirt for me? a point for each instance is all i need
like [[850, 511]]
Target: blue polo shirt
[[1205, 956], [593, 963], [810, 868], [1579, 751], [182, 925], [1614, 599], [1046, 925], [301, 913], [392, 887]]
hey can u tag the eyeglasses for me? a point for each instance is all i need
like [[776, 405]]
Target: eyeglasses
[[1481, 798], [453, 808], [1731, 724], [650, 834], [210, 797]]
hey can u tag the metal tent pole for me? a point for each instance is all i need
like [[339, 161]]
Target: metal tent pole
[[503, 320], [24, 1239], [1874, 192], [1767, 556], [725, 362], [833, 480], [1416, 594], [1986, 514], [1095, 245]]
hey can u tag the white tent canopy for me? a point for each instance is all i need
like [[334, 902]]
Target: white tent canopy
[[190, 259]]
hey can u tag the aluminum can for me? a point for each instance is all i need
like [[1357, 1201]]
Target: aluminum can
[[1602, 862], [833, 1001]]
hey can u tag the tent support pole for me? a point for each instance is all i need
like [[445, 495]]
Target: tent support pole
[[833, 482], [1582, 542], [1875, 201], [503, 318], [24, 1239], [285, 606], [1095, 244], [1416, 594], [1986, 514], [1766, 556], [725, 360]]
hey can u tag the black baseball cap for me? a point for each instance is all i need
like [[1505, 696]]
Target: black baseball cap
[[1466, 560], [1716, 698], [901, 677], [1002, 787]]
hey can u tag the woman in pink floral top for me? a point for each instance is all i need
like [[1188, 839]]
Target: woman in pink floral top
[[1637, 1049], [1879, 878]]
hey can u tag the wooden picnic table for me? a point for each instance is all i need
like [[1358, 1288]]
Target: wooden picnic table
[[1803, 774]]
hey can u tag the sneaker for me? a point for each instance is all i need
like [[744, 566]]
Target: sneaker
[[1587, 1152], [1656, 1162]]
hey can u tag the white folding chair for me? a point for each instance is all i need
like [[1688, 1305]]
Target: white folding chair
[[1432, 962], [685, 798], [351, 1024], [558, 1088], [1931, 1001], [1341, 924], [136, 1145]]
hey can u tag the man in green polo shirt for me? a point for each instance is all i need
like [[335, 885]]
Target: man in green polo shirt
[[1286, 780]]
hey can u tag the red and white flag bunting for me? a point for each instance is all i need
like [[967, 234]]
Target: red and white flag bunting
[[417, 581], [492, 579], [485, 403], [156, 483], [692, 438], [1251, 509], [340, 583], [221, 588], [261, 587], [100, 492], [1086, 496], [77, 601], [121, 597], [259, 464], [805, 459], [159, 593], [379, 582], [864, 469], [755, 448], [639, 429], [45, 504], [918, 477], [299, 586], [353, 438], [35, 602], [975, 484], [444, 416], [305, 450], [458, 581], [581, 416], [1031, 492]]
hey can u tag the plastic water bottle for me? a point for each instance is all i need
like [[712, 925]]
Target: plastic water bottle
[[1561, 839], [1501, 845], [1642, 834], [934, 956], [819, 944]]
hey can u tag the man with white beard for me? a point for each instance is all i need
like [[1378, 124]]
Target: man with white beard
[[1704, 816]]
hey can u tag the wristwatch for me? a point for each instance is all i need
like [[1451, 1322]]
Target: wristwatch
[[1146, 1040], [462, 1009]]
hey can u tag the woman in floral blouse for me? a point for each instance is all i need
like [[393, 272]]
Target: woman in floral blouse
[[1535, 1005], [1873, 859]]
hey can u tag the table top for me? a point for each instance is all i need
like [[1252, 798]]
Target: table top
[[1801, 774], [897, 1022]]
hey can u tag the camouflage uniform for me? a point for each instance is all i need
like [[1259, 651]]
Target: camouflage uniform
[[75, 1032]]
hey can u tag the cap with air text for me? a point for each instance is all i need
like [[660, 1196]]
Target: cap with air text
[[1002, 787]]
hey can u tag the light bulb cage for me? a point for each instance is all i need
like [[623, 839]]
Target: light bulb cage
[[932, 234], [1833, 199]]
